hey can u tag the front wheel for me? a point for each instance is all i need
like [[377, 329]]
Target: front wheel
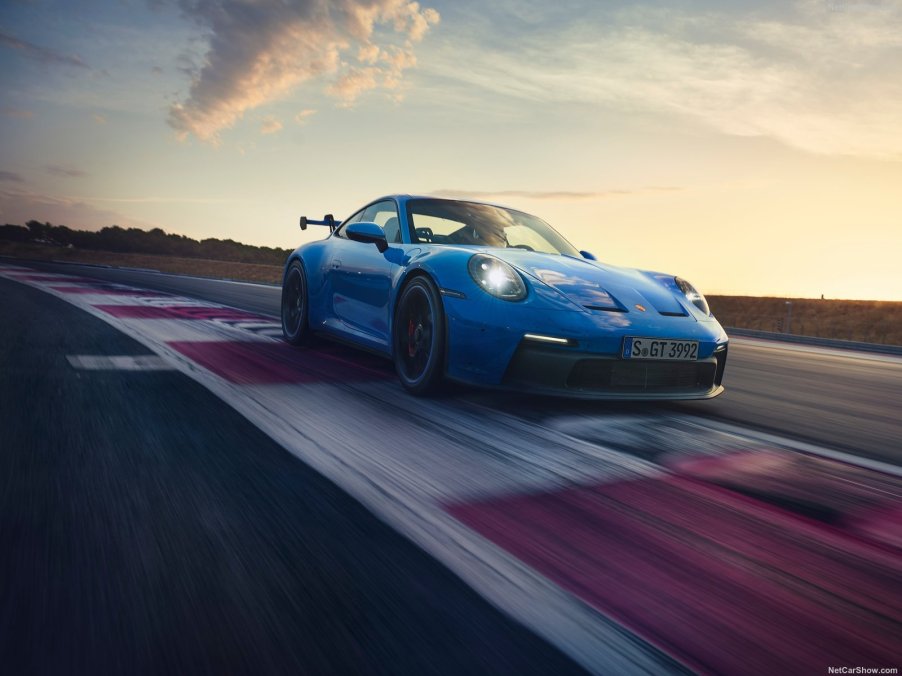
[[294, 305], [418, 337]]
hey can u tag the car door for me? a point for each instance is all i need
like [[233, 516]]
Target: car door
[[361, 279]]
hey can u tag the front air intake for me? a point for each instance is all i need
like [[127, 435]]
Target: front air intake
[[640, 376]]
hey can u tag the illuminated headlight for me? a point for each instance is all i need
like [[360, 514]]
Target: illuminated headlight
[[694, 296], [496, 277]]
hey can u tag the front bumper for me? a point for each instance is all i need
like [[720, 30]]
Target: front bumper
[[487, 346], [548, 370]]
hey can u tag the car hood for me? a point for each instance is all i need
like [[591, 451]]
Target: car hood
[[593, 285]]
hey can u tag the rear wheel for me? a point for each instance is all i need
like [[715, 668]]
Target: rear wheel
[[294, 305], [418, 338]]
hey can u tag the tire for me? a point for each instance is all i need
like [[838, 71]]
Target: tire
[[418, 337], [294, 305]]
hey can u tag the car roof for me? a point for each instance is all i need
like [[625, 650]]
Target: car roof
[[403, 197]]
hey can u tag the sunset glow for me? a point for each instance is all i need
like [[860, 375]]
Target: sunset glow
[[754, 148]]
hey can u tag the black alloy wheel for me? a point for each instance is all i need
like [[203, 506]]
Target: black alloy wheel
[[419, 337], [294, 305]]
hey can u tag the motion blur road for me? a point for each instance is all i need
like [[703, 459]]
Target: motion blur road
[[139, 535], [226, 503], [845, 400]]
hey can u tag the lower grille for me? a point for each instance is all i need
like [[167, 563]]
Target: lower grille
[[639, 376]]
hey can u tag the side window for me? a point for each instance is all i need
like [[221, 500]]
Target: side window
[[353, 219], [440, 230], [385, 214]]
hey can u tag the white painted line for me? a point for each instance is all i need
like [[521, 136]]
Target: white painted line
[[256, 326], [167, 330], [141, 362]]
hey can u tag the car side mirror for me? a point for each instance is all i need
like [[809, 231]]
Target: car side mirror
[[364, 231], [587, 256]]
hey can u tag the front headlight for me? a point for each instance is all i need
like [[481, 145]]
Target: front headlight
[[695, 297], [496, 277]]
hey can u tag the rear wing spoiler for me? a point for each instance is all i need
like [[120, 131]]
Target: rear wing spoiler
[[328, 219]]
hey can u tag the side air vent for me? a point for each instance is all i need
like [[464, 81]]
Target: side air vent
[[674, 314]]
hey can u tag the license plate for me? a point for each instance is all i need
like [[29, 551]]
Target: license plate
[[656, 348]]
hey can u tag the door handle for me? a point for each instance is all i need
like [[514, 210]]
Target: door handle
[[336, 263]]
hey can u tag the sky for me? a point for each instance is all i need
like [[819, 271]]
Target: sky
[[750, 147]]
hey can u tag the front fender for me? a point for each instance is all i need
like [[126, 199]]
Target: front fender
[[482, 331]]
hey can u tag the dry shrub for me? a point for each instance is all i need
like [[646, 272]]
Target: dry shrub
[[869, 321]]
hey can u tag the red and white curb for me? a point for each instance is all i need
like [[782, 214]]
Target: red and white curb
[[726, 550]]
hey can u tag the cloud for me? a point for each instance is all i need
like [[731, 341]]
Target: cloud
[[18, 112], [259, 52], [822, 81], [558, 195], [368, 53], [160, 200], [20, 206], [303, 117], [354, 83], [11, 176], [65, 171], [40, 54], [270, 125]]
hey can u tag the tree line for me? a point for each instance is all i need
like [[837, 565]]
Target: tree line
[[135, 240]]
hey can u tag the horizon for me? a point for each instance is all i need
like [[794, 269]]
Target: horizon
[[755, 150], [731, 295]]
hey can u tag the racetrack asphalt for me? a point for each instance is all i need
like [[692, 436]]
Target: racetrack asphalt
[[623, 534], [147, 528]]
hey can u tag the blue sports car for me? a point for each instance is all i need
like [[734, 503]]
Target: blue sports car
[[491, 296]]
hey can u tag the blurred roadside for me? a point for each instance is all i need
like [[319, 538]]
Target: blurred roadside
[[201, 267], [865, 321], [878, 322]]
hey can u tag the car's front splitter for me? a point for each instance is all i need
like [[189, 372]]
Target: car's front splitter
[[574, 373]]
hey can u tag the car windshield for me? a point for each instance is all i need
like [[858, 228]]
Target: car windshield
[[438, 221]]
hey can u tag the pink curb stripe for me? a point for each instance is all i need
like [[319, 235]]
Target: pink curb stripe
[[180, 312], [722, 583], [853, 500], [107, 291], [269, 362]]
